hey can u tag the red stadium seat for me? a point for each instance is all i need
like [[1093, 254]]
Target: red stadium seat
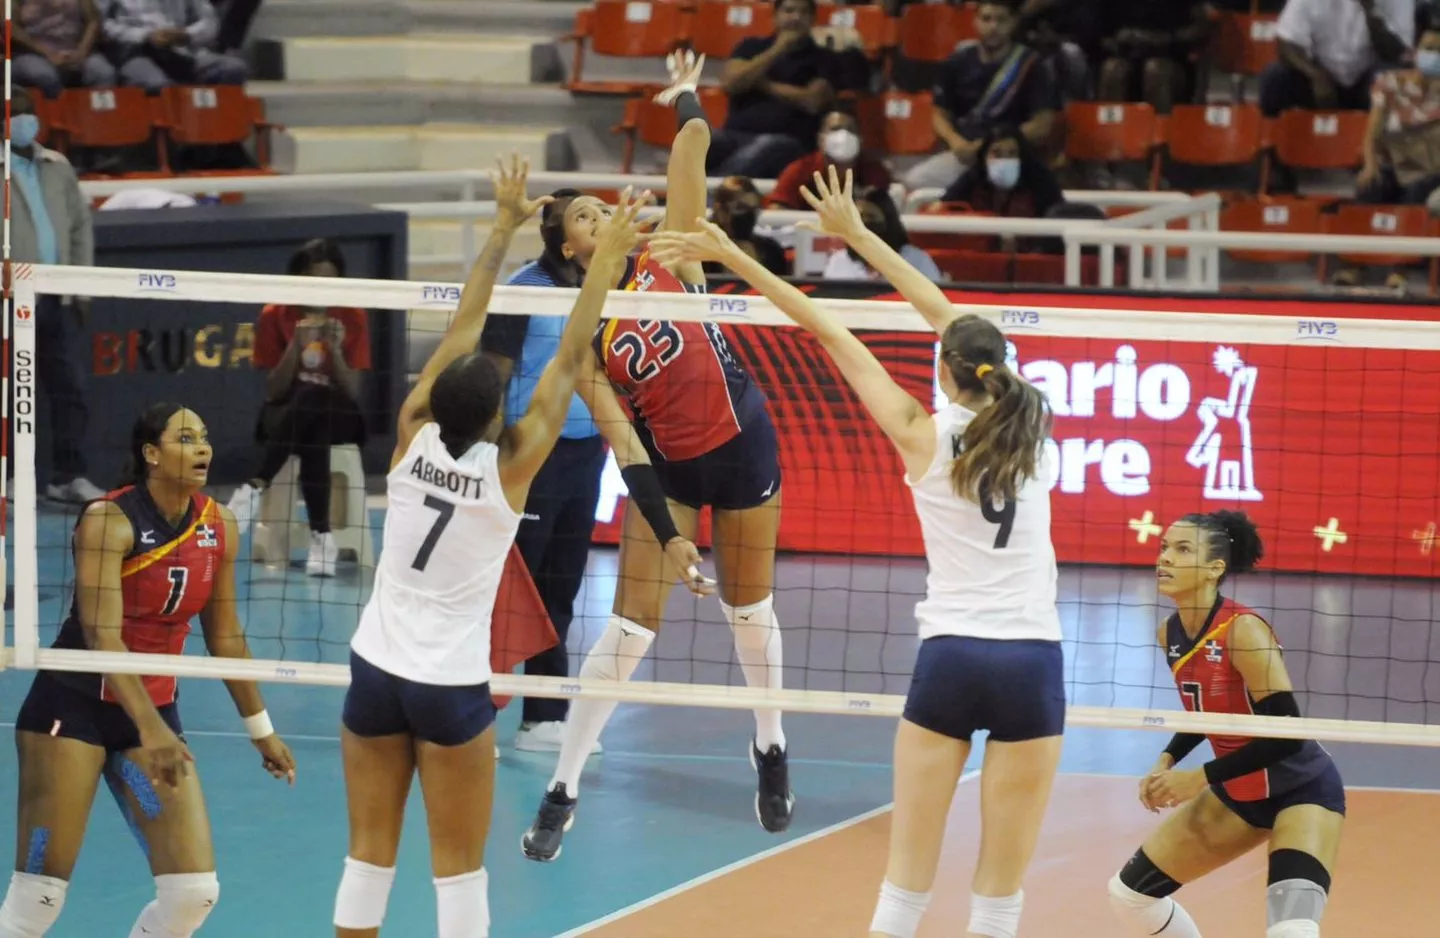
[[972, 266], [1272, 216], [115, 117], [625, 29], [1214, 134], [1243, 44], [656, 124], [897, 123], [1403, 221], [870, 21], [929, 32], [1318, 139], [218, 115], [718, 26]]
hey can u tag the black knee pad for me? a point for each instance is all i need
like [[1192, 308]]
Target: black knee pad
[[1142, 875], [1286, 864]]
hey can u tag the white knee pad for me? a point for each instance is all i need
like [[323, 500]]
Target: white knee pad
[[32, 905], [1295, 928], [899, 911], [463, 905], [1147, 915], [363, 895], [758, 614], [182, 903], [996, 916]]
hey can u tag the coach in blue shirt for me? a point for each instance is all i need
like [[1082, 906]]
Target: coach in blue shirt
[[554, 537]]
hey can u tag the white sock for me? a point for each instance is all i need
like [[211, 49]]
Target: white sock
[[762, 657], [1147, 915], [613, 657], [463, 906]]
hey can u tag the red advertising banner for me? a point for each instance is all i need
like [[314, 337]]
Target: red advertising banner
[[1333, 449]]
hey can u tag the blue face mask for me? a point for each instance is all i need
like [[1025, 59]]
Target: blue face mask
[[1428, 61], [1004, 171], [24, 128]]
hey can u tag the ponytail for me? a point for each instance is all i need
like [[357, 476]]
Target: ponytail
[[1001, 446]]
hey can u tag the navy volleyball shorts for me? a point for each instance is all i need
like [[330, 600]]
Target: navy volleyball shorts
[[743, 472], [380, 704], [57, 709], [1013, 689], [1326, 790]]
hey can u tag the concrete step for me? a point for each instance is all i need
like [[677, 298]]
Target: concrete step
[[329, 103], [429, 146], [496, 17], [500, 60], [280, 19]]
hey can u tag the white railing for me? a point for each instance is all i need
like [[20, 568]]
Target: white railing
[[468, 209]]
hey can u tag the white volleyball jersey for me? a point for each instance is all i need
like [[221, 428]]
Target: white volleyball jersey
[[448, 530], [992, 568]]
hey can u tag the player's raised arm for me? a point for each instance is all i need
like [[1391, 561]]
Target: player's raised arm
[[904, 419], [833, 202], [513, 209], [102, 541], [686, 192], [525, 446], [225, 638]]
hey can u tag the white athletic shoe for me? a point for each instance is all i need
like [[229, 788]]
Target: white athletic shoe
[[77, 491], [245, 506], [545, 737], [324, 553]]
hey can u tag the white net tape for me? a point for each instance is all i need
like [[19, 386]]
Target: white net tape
[[31, 281]]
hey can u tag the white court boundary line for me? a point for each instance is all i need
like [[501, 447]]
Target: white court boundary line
[[727, 869]]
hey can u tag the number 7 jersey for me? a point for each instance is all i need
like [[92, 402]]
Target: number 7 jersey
[[448, 531]]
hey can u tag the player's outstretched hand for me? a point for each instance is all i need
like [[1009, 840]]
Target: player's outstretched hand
[[685, 68], [167, 758], [686, 558], [276, 757], [710, 243], [833, 202], [510, 197]]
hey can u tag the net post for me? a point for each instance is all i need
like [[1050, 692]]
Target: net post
[[22, 420], [5, 315]]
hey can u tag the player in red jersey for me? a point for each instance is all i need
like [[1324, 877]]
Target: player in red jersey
[[148, 558], [1284, 792], [701, 436]]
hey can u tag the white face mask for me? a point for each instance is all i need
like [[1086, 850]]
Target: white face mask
[[1428, 61], [1004, 171], [842, 146]]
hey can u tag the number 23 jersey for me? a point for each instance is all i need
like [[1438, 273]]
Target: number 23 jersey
[[689, 393], [448, 530], [165, 581]]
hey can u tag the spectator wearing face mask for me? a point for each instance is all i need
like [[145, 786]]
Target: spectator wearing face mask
[[839, 146], [1015, 183], [736, 208], [881, 216]]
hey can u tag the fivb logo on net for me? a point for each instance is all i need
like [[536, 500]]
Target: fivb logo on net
[[1161, 392]]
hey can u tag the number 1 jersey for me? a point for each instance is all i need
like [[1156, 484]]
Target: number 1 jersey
[[448, 530]]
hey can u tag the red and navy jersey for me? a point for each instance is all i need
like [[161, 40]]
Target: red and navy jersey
[[166, 580], [1209, 683], [688, 392]]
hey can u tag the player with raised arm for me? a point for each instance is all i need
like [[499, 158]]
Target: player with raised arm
[[701, 436], [149, 557], [1286, 792], [990, 655], [419, 697]]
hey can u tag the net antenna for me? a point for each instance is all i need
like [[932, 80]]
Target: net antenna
[[1168, 326], [5, 333]]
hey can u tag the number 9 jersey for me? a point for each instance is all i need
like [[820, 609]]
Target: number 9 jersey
[[689, 394], [992, 564], [448, 531]]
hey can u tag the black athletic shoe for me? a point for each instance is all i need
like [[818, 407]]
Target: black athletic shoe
[[557, 814], [774, 801]]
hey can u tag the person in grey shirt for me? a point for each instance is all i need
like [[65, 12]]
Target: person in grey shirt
[[50, 224], [163, 42]]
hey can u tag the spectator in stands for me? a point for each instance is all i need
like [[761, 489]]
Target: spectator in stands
[[55, 46], [1067, 34], [1151, 51], [839, 146], [882, 217], [1402, 142], [736, 208], [1330, 49], [157, 43], [314, 358], [985, 84], [50, 224], [1015, 184], [778, 86]]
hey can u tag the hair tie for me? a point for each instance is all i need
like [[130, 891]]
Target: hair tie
[[984, 370]]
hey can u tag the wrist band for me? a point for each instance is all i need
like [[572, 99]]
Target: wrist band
[[688, 108], [259, 725]]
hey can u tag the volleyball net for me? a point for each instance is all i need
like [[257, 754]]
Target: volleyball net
[[1326, 432]]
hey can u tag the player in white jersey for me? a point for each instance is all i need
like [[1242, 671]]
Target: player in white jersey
[[419, 696], [990, 656]]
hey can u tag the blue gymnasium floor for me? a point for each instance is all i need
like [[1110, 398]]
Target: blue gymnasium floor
[[671, 799]]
